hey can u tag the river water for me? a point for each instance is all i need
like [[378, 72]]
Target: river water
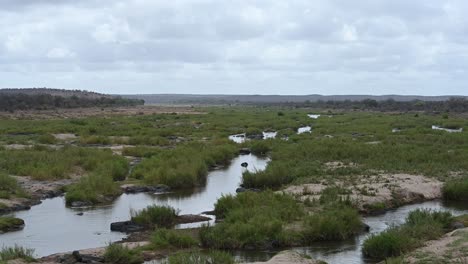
[[52, 228]]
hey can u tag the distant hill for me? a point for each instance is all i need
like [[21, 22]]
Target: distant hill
[[273, 99], [45, 98]]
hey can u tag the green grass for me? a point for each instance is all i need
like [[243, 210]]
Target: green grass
[[164, 238], [185, 166], [93, 189], [9, 187], [16, 252], [420, 226], [155, 216], [456, 189], [218, 257], [9, 222], [119, 254]]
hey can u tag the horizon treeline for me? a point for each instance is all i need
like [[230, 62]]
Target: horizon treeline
[[21, 101]]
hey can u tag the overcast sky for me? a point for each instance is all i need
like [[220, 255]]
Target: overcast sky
[[236, 47]]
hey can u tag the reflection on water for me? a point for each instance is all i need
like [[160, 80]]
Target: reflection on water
[[459, 130], [313, 116], [306, 129], [241, 138], [350, 251], [52, 228]]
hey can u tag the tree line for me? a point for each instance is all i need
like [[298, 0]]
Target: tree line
[[21, 101]]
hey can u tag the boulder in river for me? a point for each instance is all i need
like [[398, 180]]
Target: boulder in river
[[160, 188], [244, 164], [126, 227]]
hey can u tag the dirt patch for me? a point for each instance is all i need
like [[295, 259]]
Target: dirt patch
[[288, 257], [378, 192], [451, 248]]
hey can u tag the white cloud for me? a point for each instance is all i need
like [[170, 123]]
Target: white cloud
[[209, 46]]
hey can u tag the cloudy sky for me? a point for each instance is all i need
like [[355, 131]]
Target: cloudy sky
[[236, 47]]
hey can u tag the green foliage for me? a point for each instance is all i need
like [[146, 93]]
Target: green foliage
[[164, 238], [260, 147], [218, 257], [7, 222], [252, 220], [119, 254], [9, 187], [456, 189], [140, 151], [47, 139], [185, 166], [334, 224], [93, 189], [155, 216], [16, 252], [420, 226]]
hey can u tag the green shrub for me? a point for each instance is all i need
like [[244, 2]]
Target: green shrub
[[154, 215], [274, 176], [93, 189], [47, 139], [16, 252], [9, 186], [140, 151], [260, 147], [212, 257], [119, 254], [332, 224], [420, 226], [164, 238], [456, 190]]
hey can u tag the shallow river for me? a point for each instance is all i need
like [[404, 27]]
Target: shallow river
[[52, 228]]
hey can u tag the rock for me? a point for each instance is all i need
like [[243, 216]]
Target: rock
[[80, 213], [186, 219], [245, 151], [244, 164], [457, 225], [255, 136], [13, 224], [126, 227], [365, 227], [160, 188], [208, 213]]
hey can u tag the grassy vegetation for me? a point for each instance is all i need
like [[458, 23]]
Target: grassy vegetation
[[7, 223], [201, 258], [155, 216], [9, 187], [16, 252], [456, 189], [420, 226], [185, 166], [119, 254], [164, 238]]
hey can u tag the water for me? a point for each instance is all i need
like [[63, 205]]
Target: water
[[267, 135], [459, 130], [306, 129], [350, 251], [313, 116], [241, 138], [53, 228]]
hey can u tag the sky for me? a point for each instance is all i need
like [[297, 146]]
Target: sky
[[326, 47]]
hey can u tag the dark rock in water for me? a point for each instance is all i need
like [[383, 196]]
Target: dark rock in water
[[80, 213], [186, 219], [245, 151], [208, 213], [160, 188], [457, 225], [76, 258], [126, 227], [365, 227], [255, 136], [244, 164]]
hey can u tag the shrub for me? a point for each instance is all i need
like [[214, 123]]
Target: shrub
[[47, 139], [119, 254], [420, 226], [260, 147], [9, 186], [275, 175], [456, 190], [16, 252], [164, 238], [154, 215], [93, 189], [333, 224], [218, 257]]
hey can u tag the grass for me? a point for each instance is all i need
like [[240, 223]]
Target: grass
[[218, 257], [93, 189], [164, 238], [9, 222], [9, 187], [456, 189], [185, 166], [155, 216], [16, 252], [420, 226], [119, 254]]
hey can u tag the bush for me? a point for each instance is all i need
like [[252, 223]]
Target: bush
[[456, 190], [333, 224], [9, 186], [155, 216], [164, 238], [47, 139], [93, 189], [211, 257], [16, 252], [119, 254], [260, 147], [420, 226], [274, 176]]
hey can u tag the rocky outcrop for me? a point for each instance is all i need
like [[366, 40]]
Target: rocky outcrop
[[131, 188], [131, 227]]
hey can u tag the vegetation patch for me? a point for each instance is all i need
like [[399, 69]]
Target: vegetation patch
[[155, 216], [8, 224], [420, 226], [119, 254], [456, 189], [201, 258], [16, 252], [9, 187], [165, 238]]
